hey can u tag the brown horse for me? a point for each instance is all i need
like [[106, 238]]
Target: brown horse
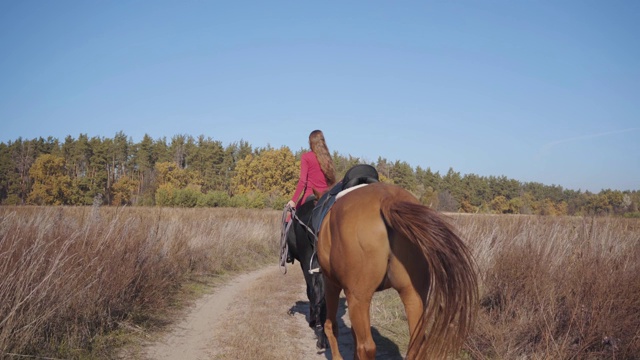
[[379, 236]]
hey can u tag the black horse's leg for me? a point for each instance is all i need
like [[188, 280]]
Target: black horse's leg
[[317, 305], [319, 310], [315, 291], [308, 278]]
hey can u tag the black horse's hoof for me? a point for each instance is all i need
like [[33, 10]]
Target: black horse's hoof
[[322, 342]]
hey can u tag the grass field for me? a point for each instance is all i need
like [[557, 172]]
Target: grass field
[[71, 278], [556, 287]]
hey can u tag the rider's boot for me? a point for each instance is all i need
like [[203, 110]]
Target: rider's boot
[[289, 257]]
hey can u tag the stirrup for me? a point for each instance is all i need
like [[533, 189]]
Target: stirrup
[[314, 268]]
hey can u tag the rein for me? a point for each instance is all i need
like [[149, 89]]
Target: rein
[[284, 230], [284, 246]]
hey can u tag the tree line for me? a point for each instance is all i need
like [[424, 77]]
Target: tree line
[[202, 172]]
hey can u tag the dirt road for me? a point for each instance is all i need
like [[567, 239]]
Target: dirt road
[[191, 337], [257, 315]]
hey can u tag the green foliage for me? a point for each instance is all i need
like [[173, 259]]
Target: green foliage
[[343, 163], [12, 199], [187, 197], [403, 175], [188, 172], [250, 200], [165, 195], [214, 199], [276, 201], [207, 157]]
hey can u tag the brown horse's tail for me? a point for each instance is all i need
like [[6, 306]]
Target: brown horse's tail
[[452, 299]]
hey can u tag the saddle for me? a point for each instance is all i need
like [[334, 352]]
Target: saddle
[[357, 175]]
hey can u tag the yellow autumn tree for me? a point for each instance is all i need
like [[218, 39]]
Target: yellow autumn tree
[[270, 171], [123, 190], [500, 205], [547, 207], [244, 178], [172, 179], [562, 208], [170, 173], [51, 185], [385, 179]]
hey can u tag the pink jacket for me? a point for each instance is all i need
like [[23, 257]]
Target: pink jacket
[[311, 177]]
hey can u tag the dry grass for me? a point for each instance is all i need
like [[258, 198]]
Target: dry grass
[[551, 287], [70, 275], [555, 287], [389, 319]]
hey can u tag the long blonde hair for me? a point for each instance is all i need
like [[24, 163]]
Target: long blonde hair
[[319, 147]]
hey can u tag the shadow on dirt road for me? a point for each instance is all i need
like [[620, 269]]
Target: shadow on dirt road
[[386, 349]]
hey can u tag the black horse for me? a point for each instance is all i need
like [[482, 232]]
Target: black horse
[[301, 242]]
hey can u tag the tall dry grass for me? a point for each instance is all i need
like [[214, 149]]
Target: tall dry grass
[[70, 275], [551, 288], [555, 287]]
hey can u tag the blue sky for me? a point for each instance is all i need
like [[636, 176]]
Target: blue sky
[[544, 91]]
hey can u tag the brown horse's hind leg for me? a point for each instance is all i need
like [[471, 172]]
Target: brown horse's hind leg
[[407, 287], [413, 306], [332, 299], [361, 327]]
